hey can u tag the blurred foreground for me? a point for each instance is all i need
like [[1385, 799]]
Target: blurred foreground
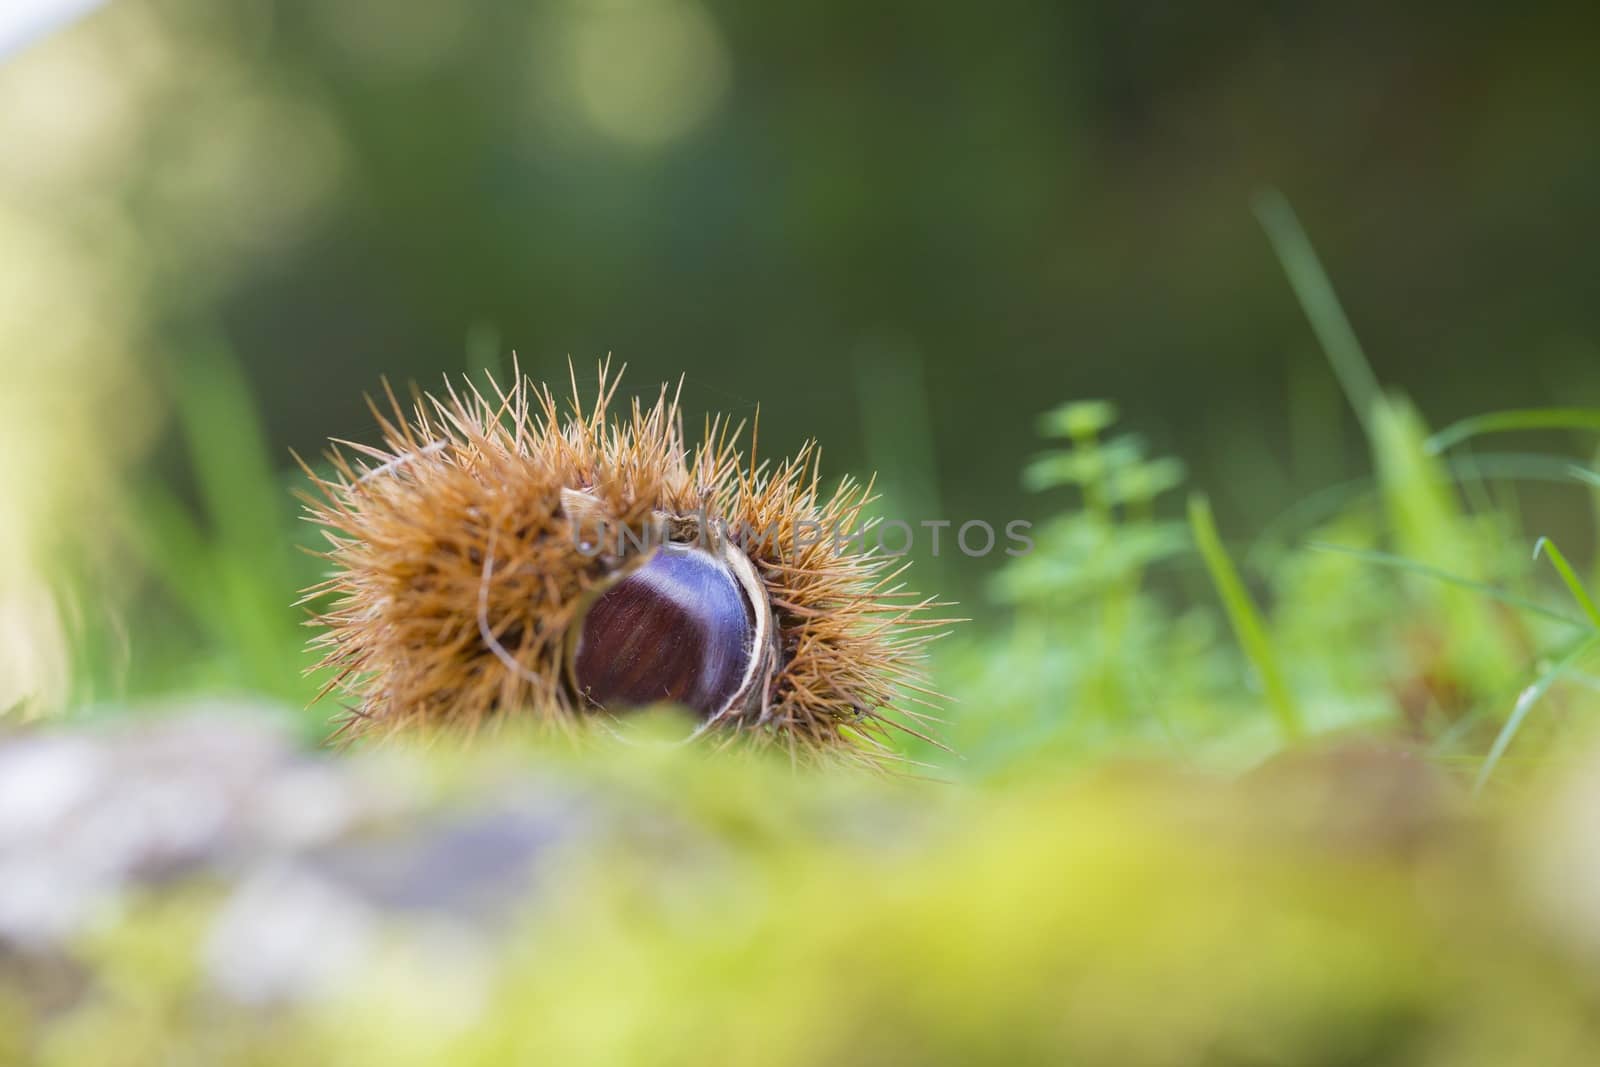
[[197, 889]]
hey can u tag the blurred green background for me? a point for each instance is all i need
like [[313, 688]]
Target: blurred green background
[[904, 229]]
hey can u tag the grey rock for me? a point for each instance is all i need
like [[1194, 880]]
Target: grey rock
[[318, 861]]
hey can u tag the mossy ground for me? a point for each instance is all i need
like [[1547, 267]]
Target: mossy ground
[[1348, 907]]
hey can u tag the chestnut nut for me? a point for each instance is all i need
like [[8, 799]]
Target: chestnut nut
[[685, 625]]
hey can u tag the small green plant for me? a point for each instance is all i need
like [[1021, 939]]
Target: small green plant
[[1096, 655], [1401, 604]]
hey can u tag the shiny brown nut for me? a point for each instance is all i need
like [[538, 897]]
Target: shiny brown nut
[[679, 628]]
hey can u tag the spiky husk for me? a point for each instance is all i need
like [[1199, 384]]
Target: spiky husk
[[456, 572]]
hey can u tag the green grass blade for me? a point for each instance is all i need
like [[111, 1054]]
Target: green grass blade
[[1319, 301], [1316, 508], [1411, 566], [1510, 421], [1563, 568], [1525, 702], [227, 447], [176, 550], [251, 575], [1247, 624]]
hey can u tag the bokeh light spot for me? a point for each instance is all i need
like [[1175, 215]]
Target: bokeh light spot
[[646, 72]]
